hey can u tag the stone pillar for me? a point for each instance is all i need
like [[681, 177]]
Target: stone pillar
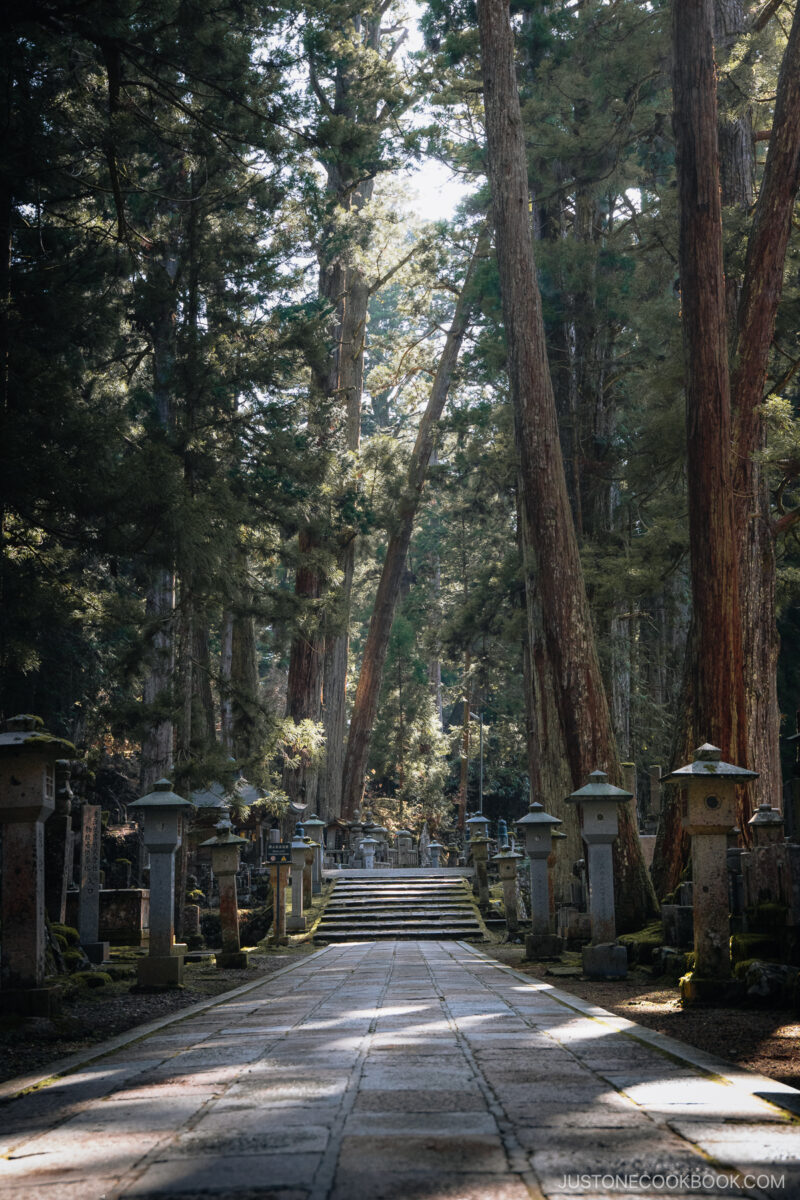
[[161, 808], [296, 921], [27, 798], [599, 801], [506, 862], [308, 872], [709, 815], [479, 848], [538, 829], [58, 846], [89, 894], [436, 849], [225, 864], [316, 830]]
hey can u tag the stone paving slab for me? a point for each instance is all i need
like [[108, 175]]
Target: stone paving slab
[[399, 1071]]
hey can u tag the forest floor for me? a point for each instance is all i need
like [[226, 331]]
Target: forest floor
[[760, 1039]]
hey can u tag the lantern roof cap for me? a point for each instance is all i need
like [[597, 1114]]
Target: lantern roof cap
[[162, 796], [537, 816], [225, 835], [313, 820], [29, 731], [766, 815], [707, 761], [505, 854], [478, 819], [598, 788]]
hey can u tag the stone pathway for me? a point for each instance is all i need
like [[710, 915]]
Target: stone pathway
[[398, 1071]]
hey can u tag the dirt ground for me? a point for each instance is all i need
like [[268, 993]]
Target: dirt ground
[[763, 1040]]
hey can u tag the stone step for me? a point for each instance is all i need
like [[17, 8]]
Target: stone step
[[372, 909], [402, 934]]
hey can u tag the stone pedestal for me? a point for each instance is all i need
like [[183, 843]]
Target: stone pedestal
[[296, 921], [89, 894], [539, 946], [605, 961], [436, 849], [27, 798]]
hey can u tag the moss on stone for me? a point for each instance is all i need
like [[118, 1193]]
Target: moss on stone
[[92, 979], [641, 944], [747, 946], [70, 935]]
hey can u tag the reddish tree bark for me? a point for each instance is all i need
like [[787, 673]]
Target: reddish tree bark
[[563, 652]]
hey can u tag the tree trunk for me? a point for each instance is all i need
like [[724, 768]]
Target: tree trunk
[[365, 707], [760, 294], [753, 532], [582, 736], [225, 666]]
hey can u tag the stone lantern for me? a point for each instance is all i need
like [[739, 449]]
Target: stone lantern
[[161, 810], [28, 755], [315, 829], [599, 801], [479, 849], [225, 848], [296, 921], [436, 849], [308, 870], [538, 828], [368, 848], [767, 826], [506, 862], [478, 826], [709, 813]]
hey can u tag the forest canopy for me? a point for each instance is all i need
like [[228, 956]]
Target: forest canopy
[[269, 474]]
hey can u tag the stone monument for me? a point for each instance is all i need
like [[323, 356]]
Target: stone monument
[[709, 814], [89, 893], [599, 800], [225, 863], [506, 861], [161, 809], [296, 921], [28, 754], [537, 828]]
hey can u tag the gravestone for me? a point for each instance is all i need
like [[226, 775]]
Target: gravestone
[[59, 846], [90, 884]]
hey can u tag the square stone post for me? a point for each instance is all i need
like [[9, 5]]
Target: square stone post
[[479, 848], [58, 846], [315, 828], [709, 814], [27, 798], [506, 861], [599, 801], [225, 864], [537, 828], [89, 894], [296, 921], [308, 872], [161, 808]]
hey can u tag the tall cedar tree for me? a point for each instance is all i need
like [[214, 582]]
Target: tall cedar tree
[[563, 657]]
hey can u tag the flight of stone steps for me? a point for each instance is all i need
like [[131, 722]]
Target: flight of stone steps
[[396, 905]]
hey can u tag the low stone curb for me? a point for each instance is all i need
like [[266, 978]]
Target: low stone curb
[[82, 1058], [781, 1095]]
